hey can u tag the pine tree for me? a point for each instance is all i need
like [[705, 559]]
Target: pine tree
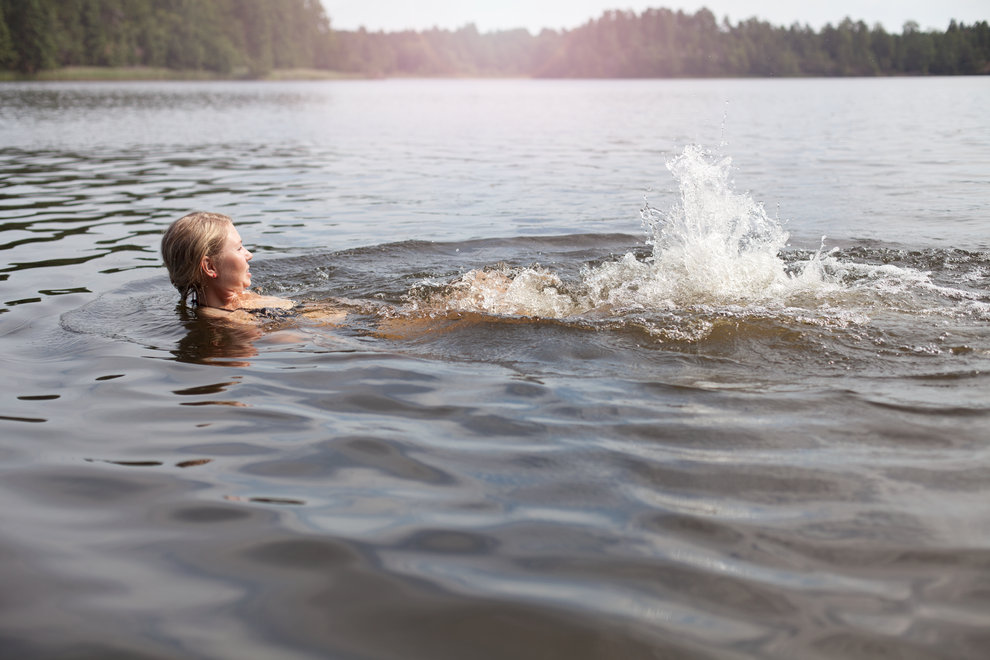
[[31, 25], [7, 53]]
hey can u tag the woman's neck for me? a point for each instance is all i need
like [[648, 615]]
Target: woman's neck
[[221, 299]]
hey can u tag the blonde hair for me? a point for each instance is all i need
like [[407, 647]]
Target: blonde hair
[[186, 242]]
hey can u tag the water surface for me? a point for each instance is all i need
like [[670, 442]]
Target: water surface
[[633, 369]]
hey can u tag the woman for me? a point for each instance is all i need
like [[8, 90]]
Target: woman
[[209, 265]]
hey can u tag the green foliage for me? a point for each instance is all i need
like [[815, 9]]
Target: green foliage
[[30, 25], [255, 37], [7, 53], [664, 43], [212, 35]]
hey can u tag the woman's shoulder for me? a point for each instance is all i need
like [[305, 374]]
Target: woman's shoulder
[[251, 308], [257, 301], [235, 315], [254, 308]]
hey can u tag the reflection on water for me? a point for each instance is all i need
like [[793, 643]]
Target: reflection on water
[[213, 341], [540, 432]]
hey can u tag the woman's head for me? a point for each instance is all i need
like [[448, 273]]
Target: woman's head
[[189, 246]]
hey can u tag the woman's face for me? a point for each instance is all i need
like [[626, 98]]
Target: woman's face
[[231, 265]]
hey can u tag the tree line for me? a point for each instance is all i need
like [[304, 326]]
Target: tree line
[[257, 36], [213, 35]]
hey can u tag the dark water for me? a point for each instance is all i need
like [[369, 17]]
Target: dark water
[[601, 394]]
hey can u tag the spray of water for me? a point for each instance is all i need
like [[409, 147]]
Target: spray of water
[[501, 291], [715, 254], [714, 247]]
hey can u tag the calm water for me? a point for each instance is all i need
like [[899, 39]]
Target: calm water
[[605, 390]]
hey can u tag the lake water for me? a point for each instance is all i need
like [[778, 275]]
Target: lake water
[[633, 369]]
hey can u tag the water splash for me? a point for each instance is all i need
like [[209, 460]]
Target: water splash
[[715, 246], [717, 256], [500, 290]]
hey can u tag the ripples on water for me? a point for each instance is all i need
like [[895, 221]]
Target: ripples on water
[[701, 441]]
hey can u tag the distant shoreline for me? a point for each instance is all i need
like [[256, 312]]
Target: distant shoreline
[[143, 73], [149, 74]]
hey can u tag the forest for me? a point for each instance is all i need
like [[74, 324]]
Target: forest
[[251, 38]]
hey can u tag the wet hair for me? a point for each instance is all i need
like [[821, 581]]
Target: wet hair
[[185, 243]]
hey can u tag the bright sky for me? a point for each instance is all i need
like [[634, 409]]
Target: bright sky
[[488, 15]]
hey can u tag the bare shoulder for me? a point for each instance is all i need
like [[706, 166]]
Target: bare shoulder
[[256, 301], [235, 316]]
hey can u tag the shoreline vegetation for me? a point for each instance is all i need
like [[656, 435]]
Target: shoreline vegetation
[[147, 73], [293, 40], [155, 74]]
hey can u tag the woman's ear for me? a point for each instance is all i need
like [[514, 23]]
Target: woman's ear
[[208, 267]]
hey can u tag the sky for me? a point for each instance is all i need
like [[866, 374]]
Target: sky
[[534, 15]]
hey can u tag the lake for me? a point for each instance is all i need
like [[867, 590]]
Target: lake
[[632, 369]]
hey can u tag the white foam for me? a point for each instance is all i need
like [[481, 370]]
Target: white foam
[[502, 291]]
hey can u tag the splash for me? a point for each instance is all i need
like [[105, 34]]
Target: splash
[[717, 257], [501, 291], [715, 247]]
